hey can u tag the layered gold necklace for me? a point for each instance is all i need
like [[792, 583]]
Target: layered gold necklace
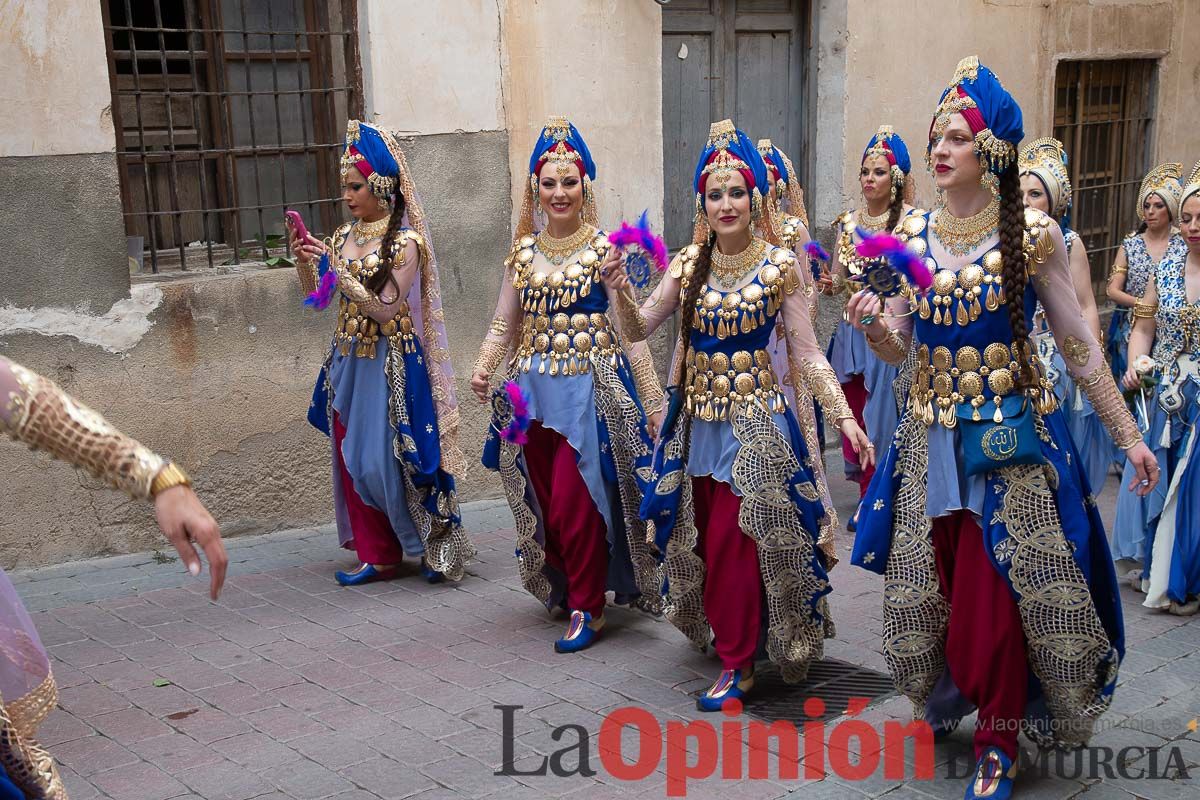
[[365, 232], [873, 223], [961, 235], [729, 270], [556, 251]]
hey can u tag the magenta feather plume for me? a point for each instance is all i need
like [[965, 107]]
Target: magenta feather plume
[[814, 250], [893, 250], [642, 237], [323, 295], [515, 430]]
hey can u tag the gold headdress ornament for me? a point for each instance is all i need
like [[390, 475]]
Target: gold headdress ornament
[[1163, 181], [720, 168], [558, 129], [1046, 159], [1191, 186], [381, 186], [883, 134]]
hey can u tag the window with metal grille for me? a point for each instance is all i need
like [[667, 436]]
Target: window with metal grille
[[227, 112], [1103, 114]]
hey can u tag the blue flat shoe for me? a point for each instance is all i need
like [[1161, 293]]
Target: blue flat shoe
[[994, 775], [366, 573], [729, 684], [582, 632], [430, 574]]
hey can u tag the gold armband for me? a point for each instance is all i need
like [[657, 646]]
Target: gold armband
[[891, 349], [1145, 310], [645, 378], [50, 420], [491, 354], [169, 477], [633, 324], [1118, 269], [306, 271], [823, 384], [1102, 391]]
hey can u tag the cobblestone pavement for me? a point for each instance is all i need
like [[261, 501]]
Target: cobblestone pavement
[[291, 687]]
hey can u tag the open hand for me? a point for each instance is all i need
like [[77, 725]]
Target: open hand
[[859, 441], [186, 523], [1146, 465]]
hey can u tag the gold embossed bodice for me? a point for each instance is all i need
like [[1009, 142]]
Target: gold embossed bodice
[[565, 324], [356, 331]]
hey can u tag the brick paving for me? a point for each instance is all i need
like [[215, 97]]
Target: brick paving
[[292, 687]]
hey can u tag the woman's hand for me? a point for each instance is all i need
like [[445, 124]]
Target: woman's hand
[[654, 423], [825, 282], [612, 271], [1131, 379], [308, 250], [186, 523], [864, 311], [1146, 465], [481, 384], [859, 441]]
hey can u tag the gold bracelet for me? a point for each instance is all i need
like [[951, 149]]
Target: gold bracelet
[[645, 378], [1145, 310], [1102, 391], [1118, 269], [168, 477], [499, 325], [633, 324], [306, 271], [491, 354]]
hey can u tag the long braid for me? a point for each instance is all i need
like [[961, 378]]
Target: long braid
[[1014, 274], [897, 206], [387, 249], [687, 311]]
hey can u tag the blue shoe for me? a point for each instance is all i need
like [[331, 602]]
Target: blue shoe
[[366, 573], [430, 574], [581, 633], [994, 775], [729, 684]]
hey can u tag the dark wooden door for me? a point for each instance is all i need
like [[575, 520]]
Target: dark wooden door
[[741, 59]]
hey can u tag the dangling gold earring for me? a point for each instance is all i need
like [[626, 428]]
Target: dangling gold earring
[[893, 192], [384, 204], [756, 206]]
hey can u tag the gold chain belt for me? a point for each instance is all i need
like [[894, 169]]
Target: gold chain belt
[[717, 384], [567, 343], [946, 379]]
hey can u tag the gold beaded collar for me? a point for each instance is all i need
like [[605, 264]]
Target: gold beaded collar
[[369, 231], [873, 223], [556, 251], [962, 235], [729, 270]]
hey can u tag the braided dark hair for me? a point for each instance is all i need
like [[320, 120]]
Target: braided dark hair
[[387, 250], [687, 310], [1013, 270], [897, 206]]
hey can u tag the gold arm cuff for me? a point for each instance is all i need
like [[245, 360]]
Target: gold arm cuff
[[1118, 269], [56, 424], [1145, 310], [491, 355], [823, 384], [499, 325], [891, 349], [168, 477], [1102, 391], [645, 378], [633, 324], [307, 273]]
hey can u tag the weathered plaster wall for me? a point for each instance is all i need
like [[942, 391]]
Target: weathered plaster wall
[[930, 36], [601, 66]]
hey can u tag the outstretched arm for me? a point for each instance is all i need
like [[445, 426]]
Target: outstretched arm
[[36, 412], [506, 324]]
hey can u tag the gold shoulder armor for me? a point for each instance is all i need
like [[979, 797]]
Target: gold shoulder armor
[[1038, 244], [785, 260], [913, 224], [600, 243], [685, 261]]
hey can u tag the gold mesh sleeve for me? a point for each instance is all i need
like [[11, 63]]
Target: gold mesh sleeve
[[367, 301], [891, 349], [306, 271], [1102, 391], [43, 416], [645, 378], [629, 316], [491, 355], [822, 382]]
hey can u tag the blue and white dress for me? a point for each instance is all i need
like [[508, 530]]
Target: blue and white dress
[[1141, 268], [1162, 527]]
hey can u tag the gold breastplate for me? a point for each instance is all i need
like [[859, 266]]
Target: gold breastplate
[[718, 384], [356, 331]]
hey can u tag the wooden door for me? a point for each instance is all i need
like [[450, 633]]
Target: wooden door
[[742, 59]]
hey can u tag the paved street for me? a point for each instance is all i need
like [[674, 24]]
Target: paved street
[[291, 687]]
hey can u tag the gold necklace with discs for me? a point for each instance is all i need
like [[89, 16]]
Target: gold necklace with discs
[[729, 270], [369, 231], [961, 235], [556, 251]]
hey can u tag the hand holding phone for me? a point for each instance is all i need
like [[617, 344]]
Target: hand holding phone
[[295, 223]]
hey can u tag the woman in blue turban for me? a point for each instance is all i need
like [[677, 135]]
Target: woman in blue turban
[[574, 483], [737, 507], [999, 590]]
